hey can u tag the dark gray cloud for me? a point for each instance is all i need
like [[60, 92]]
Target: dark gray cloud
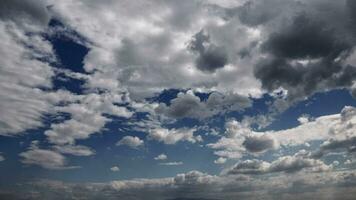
[[306, 44], [30, 10], [254, 13], [351, 5], [306, 38], [210, 57], [258, 144], [191, 106]]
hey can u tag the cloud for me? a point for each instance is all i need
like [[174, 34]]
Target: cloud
[[2, 158], [304, 119], [287, 164], [25, 12], [210, 57], [220, 161], [171, 163], [172, 136], [115, 169], [44, 158], [199, 185], [160, 54], [86, 117], [336, 131], [76, 150], [296, 61], [161, 157], [23, 103], [188, 105], [258, 144], [130, 141]]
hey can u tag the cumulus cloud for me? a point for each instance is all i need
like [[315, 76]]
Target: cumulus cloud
[[160, 53], [161, 157], [23, 103], [86, 117], [198, 185], [130, 141], [220, 161], [336, 131], [287, 164], [210, 56], [115, 169], [44, 158], [258, 144], [307, 54], [240, 139], [188, 105], [303, 119], [172, 136]]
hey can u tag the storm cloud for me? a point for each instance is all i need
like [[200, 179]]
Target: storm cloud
[[306, 48], [210, 57]]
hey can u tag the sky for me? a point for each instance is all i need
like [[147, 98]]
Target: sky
[[178, 99]]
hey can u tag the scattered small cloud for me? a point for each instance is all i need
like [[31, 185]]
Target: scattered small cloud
[[161, 157]]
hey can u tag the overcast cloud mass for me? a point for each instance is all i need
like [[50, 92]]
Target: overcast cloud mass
[[178, 99]]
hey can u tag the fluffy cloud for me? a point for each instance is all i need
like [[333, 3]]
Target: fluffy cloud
[[162, 54], [240, 139], [258, 144], [22, 102], [133, 142], [2, 158], [287, 164], [115, 169], [47, 159], [86, 117], [198, 185], [190, 106], [306, 45], [220, 161], [210, 57], [172, 136], [336, 131], [161, 157]]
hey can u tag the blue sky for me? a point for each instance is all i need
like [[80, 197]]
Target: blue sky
[[165, 100]]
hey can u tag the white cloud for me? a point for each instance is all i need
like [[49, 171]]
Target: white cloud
[[2, 158], [161, 157], [133, 142], [172, 163], [86, 117], [220, 160], [172, 136], [200, 185], [47, 159], [333, 128], [159, 55], [287, 164], [303, 119], [22, 102], [115, 169], [76, 150]]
